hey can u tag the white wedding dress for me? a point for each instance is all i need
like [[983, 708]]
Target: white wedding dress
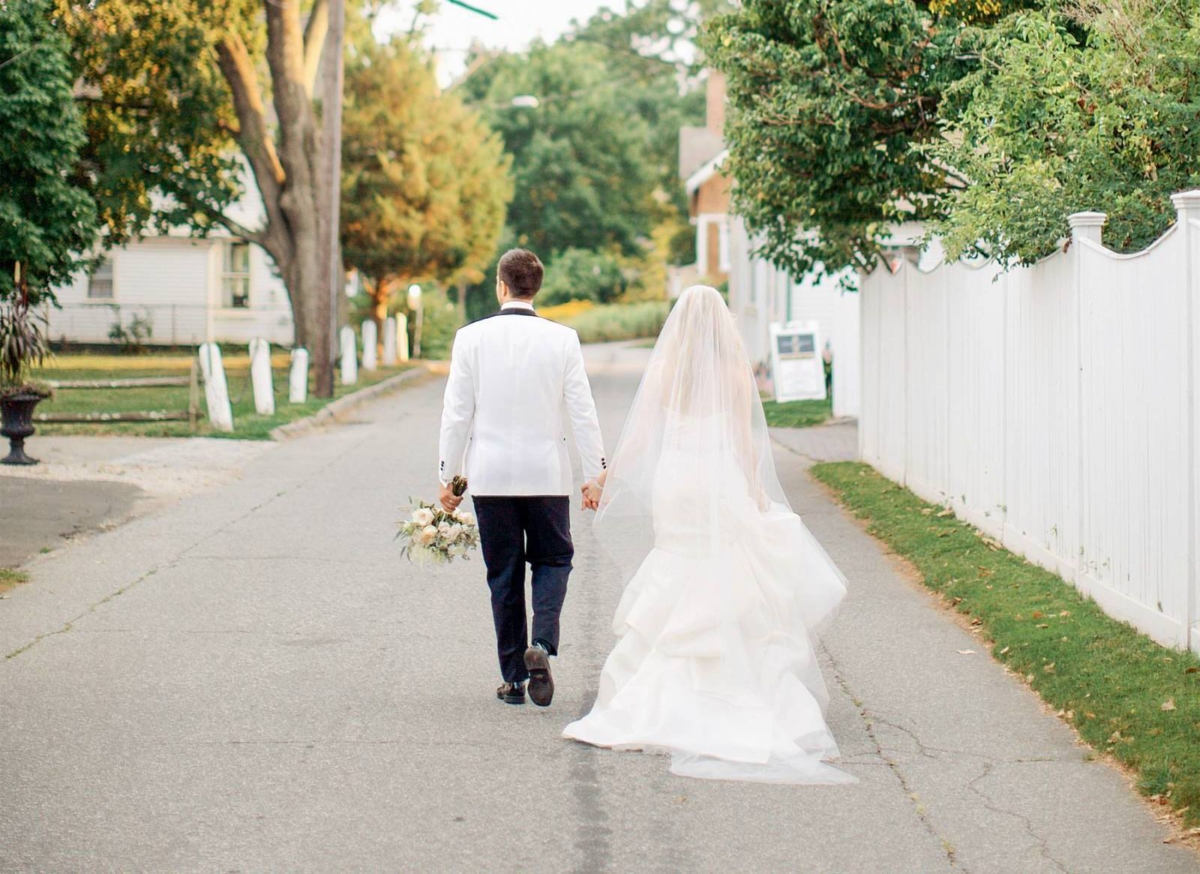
[[715, 660]]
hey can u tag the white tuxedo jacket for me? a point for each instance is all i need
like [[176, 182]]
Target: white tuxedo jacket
[[511, 375]]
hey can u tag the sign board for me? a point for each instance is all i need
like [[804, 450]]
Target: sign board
[[796, 365]]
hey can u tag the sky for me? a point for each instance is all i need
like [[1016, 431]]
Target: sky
[[453, 29]]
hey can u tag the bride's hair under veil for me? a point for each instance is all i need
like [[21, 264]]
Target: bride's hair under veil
[[716, 659]]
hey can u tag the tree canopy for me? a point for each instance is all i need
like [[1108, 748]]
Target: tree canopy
[[173, 91], [47, 223], [828, 99], [1092, 107], [425, 182]]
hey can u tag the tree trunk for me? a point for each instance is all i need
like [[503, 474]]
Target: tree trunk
[[286, 165], [379, 308]]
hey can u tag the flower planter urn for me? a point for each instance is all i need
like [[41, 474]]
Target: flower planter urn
[[16, 414]]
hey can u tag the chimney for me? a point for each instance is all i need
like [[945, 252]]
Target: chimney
[[716, 102]]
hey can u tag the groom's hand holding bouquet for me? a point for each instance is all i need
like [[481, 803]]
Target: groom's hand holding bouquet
[[438, 535]]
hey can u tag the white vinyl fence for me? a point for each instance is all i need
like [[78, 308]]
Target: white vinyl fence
[[1055, 408]]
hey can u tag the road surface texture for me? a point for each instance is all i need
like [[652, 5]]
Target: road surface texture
[[253, 680]]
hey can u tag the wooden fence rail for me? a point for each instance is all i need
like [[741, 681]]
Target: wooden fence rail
[[191, 415]]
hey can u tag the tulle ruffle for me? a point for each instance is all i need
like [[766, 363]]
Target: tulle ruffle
[[715, 662]]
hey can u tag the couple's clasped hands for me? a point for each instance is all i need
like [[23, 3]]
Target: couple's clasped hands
[[592, 490]]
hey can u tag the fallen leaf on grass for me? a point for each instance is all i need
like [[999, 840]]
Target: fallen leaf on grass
[[1169, 704], [1005, 650], [946, 512], [1192, 670], [1037, 614], [1065, 613], [1049, 668], [1042, 625]]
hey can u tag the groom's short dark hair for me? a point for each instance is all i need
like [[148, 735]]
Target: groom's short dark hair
[[522, 272]]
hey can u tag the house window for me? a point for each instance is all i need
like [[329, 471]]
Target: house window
[[100, 282], [235, 278]]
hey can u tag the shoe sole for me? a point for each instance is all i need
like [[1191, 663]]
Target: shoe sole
[[541, 684], [511, 700]]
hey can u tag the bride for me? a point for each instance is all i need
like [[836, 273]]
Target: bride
[[715, 660]]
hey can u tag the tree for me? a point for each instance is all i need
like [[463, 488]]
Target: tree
[[1094, 107], [425, 183], [831, 101], [580, 165], [47, 224], [172, 91]]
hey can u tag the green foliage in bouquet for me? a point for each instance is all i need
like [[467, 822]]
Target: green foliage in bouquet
[[434, 536]]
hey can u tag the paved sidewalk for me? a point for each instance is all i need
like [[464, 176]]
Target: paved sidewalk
[[86, 484], [252, 680]]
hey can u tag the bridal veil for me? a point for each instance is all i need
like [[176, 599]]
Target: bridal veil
[[715, 660]]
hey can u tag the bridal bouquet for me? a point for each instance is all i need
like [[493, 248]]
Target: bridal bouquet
[[433, 536]]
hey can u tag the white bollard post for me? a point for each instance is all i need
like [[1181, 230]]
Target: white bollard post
[[349, 356], [298, 377], [370, 335], [260, 377], [390, 356], [402, 335], [216, 389]]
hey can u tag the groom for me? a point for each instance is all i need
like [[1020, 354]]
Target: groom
[[511, 374]]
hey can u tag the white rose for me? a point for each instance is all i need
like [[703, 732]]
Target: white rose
[[467, 519], [443, 530], [423, 516], [427, 536], [456, 533]]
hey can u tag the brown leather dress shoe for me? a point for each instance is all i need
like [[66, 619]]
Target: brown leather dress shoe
[[511, 693], [541, 684]]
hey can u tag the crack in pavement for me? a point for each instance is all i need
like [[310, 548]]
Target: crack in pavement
[[924, 748], [893, 765], [1042, 844]]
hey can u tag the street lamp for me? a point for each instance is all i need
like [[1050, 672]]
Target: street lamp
[[415, 305]]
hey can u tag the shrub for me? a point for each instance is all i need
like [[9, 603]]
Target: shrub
[[621, 321], [564, 312], [581, 274]]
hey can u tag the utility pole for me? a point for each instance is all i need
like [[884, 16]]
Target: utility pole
[[333, 64]]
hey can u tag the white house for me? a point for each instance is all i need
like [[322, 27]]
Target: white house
[[182, 290]]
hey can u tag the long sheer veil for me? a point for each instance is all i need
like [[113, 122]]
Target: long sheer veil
[[697, 436]]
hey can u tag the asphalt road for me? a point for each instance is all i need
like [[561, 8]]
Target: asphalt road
[[253, 680]]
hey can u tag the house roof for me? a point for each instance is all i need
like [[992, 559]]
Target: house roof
[[697, 146], [706, 172]]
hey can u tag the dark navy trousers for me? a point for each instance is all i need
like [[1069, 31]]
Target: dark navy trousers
[[514, 531]]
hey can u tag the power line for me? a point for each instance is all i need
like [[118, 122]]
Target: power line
[[476, 10]]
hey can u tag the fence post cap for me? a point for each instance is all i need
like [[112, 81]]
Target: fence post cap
[[1087, 225], [1186, 200], [1087, 219]]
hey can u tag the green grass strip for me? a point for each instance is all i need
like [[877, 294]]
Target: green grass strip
[[1124, 693], [797, 414]]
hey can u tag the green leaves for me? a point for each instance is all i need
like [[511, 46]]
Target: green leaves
[[425, 181], [828, 99], [46, 222], [1056, 124]]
